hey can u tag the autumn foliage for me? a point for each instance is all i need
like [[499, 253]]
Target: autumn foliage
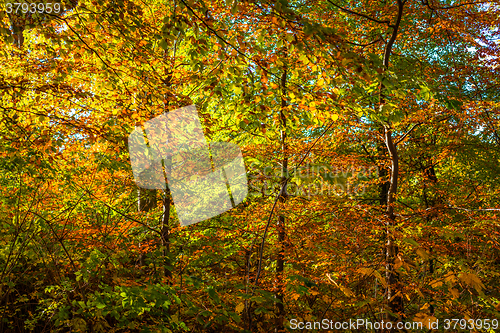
[[370, 133]]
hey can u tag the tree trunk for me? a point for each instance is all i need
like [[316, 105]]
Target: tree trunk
[[280, 261], [382, 175], [165, 229], [167, 198], [394, 295], [430, 174], [17, 25], [146, 199], [394, 292]]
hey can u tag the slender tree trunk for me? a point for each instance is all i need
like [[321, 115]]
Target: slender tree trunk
[[165, 234], [430, 173], [382, 174], [280, 261], [432, 176], [165, 227], [394, 295], [393, 292], [167, 198]]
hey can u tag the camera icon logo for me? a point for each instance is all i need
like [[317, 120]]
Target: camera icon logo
[[204, 180]]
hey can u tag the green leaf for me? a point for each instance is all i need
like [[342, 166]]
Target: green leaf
[[411, 241], [213, 294], [163, 44], [425, 93]]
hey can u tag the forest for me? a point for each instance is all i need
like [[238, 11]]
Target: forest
[[358, 145]]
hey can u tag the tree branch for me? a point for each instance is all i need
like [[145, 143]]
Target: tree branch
[[406, 134], [395, 28], [359, 14]]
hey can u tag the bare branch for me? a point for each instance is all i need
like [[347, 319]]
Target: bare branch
[[359, 14], [426, 3], [406, 134]]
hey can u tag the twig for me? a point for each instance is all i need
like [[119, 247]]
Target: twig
[[283, 186], [406, 134]]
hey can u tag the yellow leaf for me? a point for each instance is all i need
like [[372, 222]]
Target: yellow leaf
[[393, 297], [425, 306], [348, 292], [422, 253], [370, 271], [450, 277], [240, 307], [472, 280], [274, 85], [436, 283], [455, 293], [365, 271], [397, 263]]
